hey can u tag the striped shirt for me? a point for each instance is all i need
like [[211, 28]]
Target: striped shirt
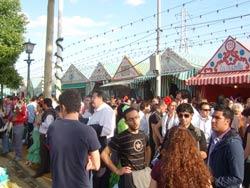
[[130, 148]]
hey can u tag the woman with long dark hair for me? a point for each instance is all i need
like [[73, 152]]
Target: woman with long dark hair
[[181, 164]]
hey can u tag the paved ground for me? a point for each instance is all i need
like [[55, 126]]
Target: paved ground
[[17, 174], [21, 174]]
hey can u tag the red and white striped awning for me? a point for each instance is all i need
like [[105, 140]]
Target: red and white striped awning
[[236, 77]]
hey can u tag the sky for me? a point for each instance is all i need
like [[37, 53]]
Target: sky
[[106, 30]]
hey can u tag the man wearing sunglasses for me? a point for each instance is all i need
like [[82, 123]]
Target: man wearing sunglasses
[[226, 156], [205, 120], [185, 113]]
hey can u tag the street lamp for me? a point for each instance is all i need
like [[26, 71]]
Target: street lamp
[[29, 46]]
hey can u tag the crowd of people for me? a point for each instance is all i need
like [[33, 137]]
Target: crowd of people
[[98, 142]]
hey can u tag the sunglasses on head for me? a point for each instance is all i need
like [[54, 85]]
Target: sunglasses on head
[[184, 115]]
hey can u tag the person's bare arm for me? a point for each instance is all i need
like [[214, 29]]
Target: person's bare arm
[[153, 184], [105, 156], [147, 155], [93, 160]]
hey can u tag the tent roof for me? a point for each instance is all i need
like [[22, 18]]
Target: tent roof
[[229, 65]]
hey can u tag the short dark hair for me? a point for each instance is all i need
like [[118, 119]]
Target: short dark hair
[[48, 102], [71, 99], [130, 109], [185, 107], [100, 94], [203, 103], [143, 105], [185, 94], [221, 100], [33, 98], [227, 112]]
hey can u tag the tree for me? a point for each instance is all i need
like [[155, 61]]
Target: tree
[[12, 24]]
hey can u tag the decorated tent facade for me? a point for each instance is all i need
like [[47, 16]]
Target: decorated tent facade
[[124, 76], [74, 79], [99, 77], [174, 71], [227, 72]]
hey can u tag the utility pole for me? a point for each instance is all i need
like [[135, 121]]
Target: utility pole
[[58, 54], [158, 59], [183, 39], [49, 49]]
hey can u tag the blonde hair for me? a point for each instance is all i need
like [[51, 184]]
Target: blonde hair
[[237, 107]]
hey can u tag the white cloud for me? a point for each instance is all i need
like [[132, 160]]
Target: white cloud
[[134, 2], [72, 26], [38, 22]]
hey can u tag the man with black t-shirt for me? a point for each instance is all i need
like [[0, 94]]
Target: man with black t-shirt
[[185, 113], [132, 147], [74, 147], [155, 137]]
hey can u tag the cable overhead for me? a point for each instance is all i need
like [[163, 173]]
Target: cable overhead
[[154, 15], [175, 40], [204, 24], [129, 44], [213, 11], [128, 24], [198, 43]]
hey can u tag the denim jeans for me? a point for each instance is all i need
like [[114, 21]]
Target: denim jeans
[[17, 139], [5, 143]]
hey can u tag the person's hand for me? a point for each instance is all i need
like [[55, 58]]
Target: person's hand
[[89, 164], [123, 170], [203, 154]]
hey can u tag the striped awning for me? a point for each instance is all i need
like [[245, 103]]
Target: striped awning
[[236, 77], [121, 82]]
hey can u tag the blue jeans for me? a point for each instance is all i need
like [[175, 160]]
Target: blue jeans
[[17, 139], [5, 143]]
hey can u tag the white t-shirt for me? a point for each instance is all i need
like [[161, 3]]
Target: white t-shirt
[[173, 121], [104, 116], [205, 124]]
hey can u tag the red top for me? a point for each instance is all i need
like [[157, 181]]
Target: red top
[[20, 115], [156, 173]]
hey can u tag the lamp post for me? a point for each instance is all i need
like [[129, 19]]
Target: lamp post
[[29, 46]]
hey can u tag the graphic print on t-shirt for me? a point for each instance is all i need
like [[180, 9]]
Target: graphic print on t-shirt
[[138, 146]]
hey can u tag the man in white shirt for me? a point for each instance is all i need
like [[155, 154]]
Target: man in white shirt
[[143, 113], [205, 120], [104, 115], [103, 121]]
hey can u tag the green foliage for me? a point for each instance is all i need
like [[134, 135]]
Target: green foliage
[[10, 73], [12, 28]]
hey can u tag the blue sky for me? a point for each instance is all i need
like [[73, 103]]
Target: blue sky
[[85, 23]]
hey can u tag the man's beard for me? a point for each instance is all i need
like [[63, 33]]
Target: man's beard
[[134, 128]]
